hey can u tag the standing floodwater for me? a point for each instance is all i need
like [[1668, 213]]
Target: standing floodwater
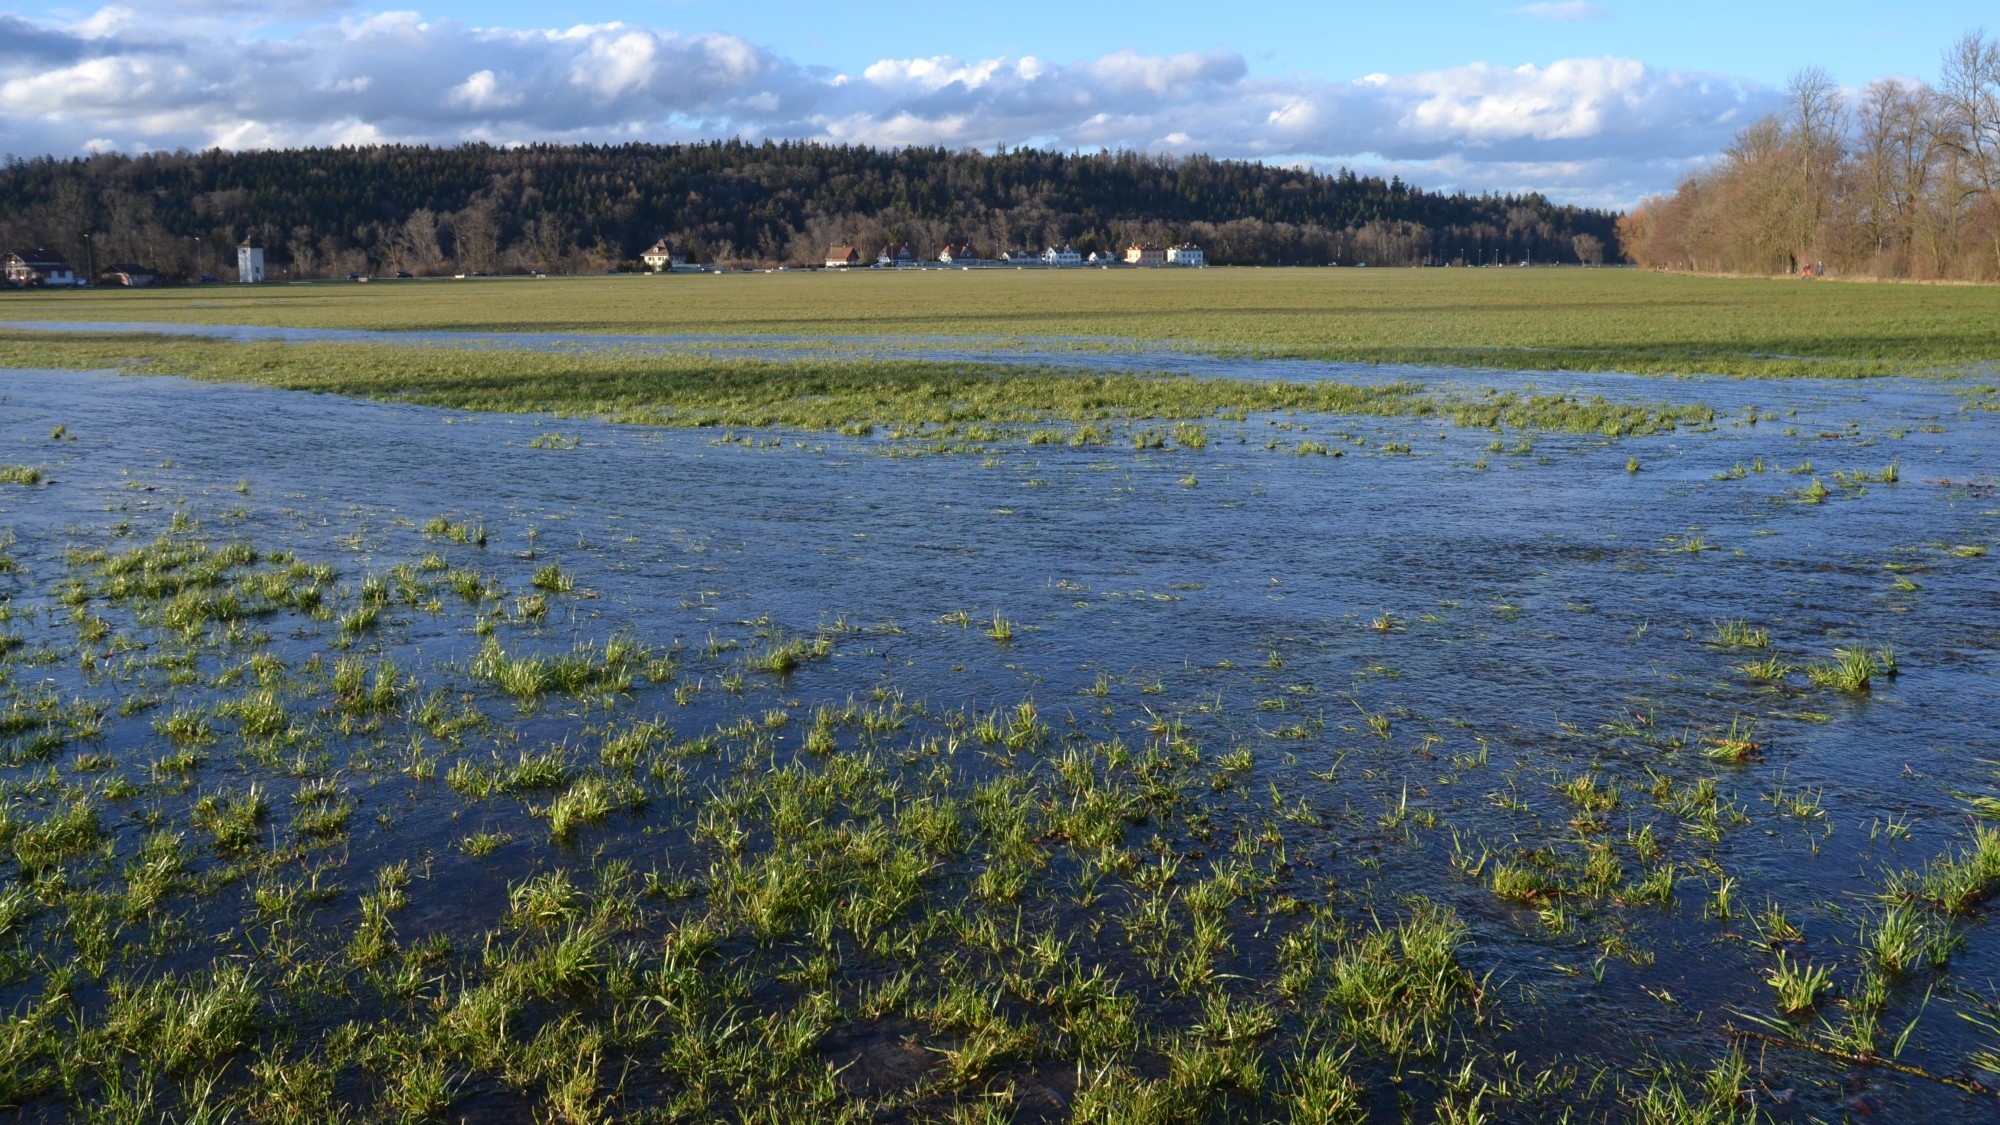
[[625, 770]]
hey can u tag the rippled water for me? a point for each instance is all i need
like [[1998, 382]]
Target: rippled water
[[1529, 604], [1879, 400]]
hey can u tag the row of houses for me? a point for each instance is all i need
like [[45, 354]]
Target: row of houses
[[45, 268], [1055, 257], [41, 268]]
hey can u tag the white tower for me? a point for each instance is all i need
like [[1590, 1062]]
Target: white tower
[[249, 264]]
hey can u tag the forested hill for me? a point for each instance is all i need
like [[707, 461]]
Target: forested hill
[[325, 211]]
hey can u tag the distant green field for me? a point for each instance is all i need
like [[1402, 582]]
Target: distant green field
[[1624, 320]]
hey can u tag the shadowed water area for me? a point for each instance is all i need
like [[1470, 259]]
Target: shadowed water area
[[1400, 665]]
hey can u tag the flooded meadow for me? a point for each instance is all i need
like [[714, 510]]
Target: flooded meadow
[[376, 761]]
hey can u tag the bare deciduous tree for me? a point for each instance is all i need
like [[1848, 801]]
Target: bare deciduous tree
[[476, 238], [1906, 181], [1815, 132], [419, 242]]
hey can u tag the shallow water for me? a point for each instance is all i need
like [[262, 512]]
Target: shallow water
[[1529, 605], [1878, 400]]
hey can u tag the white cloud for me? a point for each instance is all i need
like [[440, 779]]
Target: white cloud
[[934, 73], [387, 29], [616, 66], [1568, 11], [1127, 71], [1597, 129], [481, 91]]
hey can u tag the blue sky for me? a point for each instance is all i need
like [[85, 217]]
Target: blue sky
[[1857, 41], [1596, 101]]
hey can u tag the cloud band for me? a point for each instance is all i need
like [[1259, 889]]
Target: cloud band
[[1589, 130]]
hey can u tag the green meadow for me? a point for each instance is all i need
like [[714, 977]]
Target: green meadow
[[1592, 320]]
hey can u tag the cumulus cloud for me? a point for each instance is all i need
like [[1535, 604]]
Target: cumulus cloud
[[1600, 130]]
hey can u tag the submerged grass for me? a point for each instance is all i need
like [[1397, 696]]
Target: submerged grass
[[927, 401], [861, 910], [278, 853]]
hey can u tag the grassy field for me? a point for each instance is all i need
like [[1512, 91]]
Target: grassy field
[[1581, 320], [948, 405]]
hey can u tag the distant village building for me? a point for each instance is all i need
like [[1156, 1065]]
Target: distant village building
[[1020, 258], [1145, 255], [663, 256], [250, 263], [1186, 254], [1097, 259], [893, 256], [841, 257], [1061, 257], [959, 254], [129, 274], [39, 267]]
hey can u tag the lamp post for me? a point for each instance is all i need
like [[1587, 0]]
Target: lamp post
[[89, 260], [198, 263]]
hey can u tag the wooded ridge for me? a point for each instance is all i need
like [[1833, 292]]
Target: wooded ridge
[[475, 207]]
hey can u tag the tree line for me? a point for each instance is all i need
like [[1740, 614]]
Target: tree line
[[1901, 181], [583, 208]]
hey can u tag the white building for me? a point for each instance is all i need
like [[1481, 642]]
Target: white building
[[249, 264], [1186, 254], [663, 256], [1061, 257], [1145, 254], [39, 267]]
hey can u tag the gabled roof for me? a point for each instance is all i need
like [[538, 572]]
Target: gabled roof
[[128, 267], [40, 257]]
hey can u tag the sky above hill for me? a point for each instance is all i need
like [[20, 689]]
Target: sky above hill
[[1589, 101]]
